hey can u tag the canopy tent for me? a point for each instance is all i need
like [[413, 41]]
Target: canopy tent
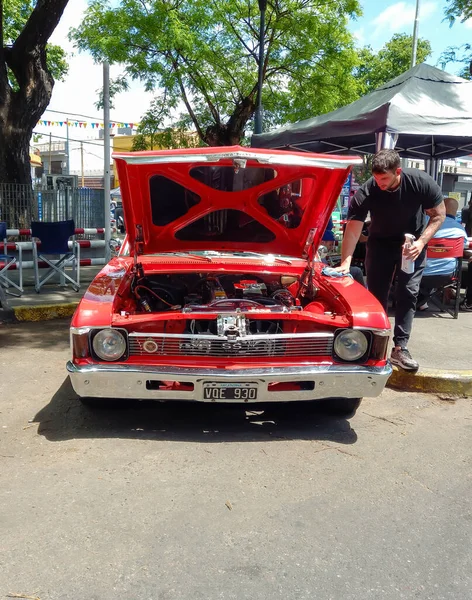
[[424, 113]]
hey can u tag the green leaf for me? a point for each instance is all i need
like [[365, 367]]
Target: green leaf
[[462, 10], [203, 55], [15, 15], [393, 59]]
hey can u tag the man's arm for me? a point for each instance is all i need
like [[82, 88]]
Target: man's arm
[[350, 239], [436, 217]]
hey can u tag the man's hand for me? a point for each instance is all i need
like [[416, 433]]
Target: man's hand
[[414, 250], [344, 267]]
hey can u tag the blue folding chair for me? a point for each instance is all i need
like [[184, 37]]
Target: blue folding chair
[[7, 261], [54, 239]]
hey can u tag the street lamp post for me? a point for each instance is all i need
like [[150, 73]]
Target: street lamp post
[[106, 154], [415, 34], [258, 115]]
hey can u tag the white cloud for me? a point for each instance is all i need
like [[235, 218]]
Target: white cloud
[[400, 15], [468, 23], [359, 36]]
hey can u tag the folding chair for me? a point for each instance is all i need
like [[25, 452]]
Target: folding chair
[[6, 261], [55, 242], [448, 248]]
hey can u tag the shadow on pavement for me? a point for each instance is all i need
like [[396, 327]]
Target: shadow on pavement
[[433, 313], [66, 418], [41, 334]]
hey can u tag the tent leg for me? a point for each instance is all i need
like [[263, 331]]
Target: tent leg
[[385, 140], [431, 167]]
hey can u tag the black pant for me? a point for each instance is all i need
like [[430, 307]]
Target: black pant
[[468, 293], [356, 273], [383, 263]]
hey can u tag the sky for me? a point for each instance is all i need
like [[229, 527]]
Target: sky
[[78, 93]]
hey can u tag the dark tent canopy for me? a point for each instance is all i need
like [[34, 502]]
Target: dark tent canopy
[[425, 112]]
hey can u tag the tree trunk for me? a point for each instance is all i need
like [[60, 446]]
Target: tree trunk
[[17, 159], [21, 111], [18, 207], [231, 133], [22, 106]]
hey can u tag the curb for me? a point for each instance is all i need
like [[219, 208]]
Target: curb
[[44, 312], [432, 381]]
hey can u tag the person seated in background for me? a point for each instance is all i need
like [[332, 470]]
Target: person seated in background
[[438, 271], [328, 240]]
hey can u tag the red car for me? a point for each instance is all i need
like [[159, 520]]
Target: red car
[[218, 294]]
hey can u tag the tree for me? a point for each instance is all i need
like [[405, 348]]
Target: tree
[[391, 60], [26, 78], [153, 134], [459, 54], [151, 123], [204, 54], [458, 9], [120, 84], [462, 10]]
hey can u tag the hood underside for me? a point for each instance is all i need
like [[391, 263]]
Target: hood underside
[[229, 199]]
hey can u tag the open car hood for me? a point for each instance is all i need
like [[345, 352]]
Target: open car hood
[[229, 199]]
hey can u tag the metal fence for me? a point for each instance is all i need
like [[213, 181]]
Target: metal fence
[[21, 204]]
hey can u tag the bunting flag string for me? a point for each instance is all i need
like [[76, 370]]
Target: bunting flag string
[[84, 124]]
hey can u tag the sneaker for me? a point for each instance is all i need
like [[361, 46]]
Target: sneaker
[[465, 306], [402, 358]]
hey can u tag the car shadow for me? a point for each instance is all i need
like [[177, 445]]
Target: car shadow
[[66, 418]]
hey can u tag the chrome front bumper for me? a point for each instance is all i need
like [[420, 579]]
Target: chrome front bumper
[[126, 381]]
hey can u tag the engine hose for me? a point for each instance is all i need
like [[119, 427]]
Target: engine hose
[[143, 287]]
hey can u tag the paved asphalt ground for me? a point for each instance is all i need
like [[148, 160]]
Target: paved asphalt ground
[[169, 502]]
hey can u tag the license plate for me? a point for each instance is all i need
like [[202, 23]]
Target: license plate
[[240, 392]]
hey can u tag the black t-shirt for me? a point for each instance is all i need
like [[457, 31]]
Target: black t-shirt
[[465, 216], [395, 213]]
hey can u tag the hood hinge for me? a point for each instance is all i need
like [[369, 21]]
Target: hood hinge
[[138, 243], [309, 244]]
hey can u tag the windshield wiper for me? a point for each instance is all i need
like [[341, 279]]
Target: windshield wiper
[[190, 255], [284, 261]]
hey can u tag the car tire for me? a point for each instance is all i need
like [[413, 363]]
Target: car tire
[[340, 407], [118, 216]]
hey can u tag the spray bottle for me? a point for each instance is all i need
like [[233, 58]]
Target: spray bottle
[[408, 265]]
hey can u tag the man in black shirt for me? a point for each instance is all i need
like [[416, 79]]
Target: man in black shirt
[[466, 218], [397, 200]]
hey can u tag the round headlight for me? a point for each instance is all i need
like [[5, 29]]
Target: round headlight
[[109, 344], [350, 344]]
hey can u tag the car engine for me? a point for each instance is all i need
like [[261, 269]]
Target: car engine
[[213, 293]]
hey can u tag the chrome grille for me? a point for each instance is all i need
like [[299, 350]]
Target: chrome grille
[[289, 345]]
